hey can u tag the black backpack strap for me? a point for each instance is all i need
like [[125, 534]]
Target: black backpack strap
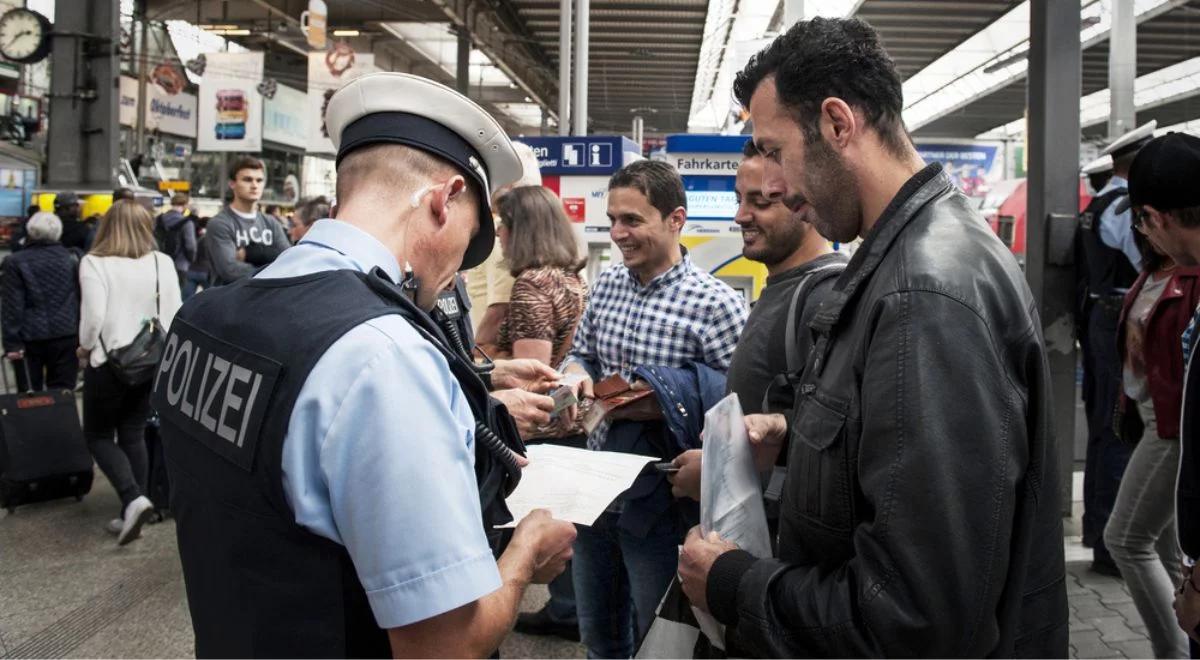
[[795, 361]]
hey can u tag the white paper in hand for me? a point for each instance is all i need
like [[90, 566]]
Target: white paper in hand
[[730, 492], [576, 485]]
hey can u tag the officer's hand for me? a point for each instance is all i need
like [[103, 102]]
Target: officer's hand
[[686, 482], [240, 255], [549, 542], [15, 355], [524, 374], [767, 433], [528, 410]]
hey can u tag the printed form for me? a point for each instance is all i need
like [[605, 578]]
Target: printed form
[[576, 485]]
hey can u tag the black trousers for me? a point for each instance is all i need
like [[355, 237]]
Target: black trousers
[[52, 364]]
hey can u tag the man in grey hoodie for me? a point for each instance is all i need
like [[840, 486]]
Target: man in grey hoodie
[[176, 234], [240, 238]]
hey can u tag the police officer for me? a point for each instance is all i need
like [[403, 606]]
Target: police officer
[[1111, 262], [338, 470]]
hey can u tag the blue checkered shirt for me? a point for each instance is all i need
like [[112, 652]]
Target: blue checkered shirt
[[1189, 335], [684, 315]]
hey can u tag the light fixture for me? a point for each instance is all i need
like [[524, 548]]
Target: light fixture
[[235, 32], [218, 26], [346, 33]]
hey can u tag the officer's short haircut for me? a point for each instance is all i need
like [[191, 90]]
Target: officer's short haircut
[[245, 163], [388, 170], [830, 57], [750, 150], [657, 180]]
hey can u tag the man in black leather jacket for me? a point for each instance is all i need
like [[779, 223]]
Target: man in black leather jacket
[[921, 511]]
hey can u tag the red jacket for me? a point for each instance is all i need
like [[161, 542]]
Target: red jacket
[[1169, 317]]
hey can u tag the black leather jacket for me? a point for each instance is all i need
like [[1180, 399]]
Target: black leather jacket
[[921, 514]]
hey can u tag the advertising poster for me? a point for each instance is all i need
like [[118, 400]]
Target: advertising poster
[[973, 167], [285, 119], [231, 108], [327, 72]]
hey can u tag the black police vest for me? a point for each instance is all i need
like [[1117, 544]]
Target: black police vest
[[258, 584], [1106, 269]]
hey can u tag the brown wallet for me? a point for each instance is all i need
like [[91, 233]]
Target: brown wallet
[[616, 399]]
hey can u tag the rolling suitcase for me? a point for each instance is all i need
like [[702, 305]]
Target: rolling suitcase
[[43, 455]]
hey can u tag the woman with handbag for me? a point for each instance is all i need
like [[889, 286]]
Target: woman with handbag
[[129, 294], [1140, 533]]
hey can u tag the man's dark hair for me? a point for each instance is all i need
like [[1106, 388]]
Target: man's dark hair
[[658, 181], [312, 209], [273, 209], [1099, 180], [831, 57], [33, 208], [750, 150], [1188, 217], [124, 193], [245, 163]]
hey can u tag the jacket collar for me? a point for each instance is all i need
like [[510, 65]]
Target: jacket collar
[[925, 186]]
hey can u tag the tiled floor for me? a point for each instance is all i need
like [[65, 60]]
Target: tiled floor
[[67, 590]]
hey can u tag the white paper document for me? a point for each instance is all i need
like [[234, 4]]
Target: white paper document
[[730, 492], [576, 485]]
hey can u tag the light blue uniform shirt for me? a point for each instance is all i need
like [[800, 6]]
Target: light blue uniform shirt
[[1116, 229], [380, 456]]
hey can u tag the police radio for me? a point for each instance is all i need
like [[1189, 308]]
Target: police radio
[[449, 317]]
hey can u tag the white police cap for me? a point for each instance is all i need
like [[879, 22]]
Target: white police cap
[[1132, 141], [1101, 164], [400, 108]]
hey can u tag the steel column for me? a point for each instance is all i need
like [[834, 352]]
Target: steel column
[[1053, 131], [84, 83], [462, 77], [564, 67], [582, 41], [1122, 68]]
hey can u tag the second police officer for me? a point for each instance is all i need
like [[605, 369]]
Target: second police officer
[[1111, 264], [337, 468]]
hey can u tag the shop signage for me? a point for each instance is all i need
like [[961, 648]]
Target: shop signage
[[324, 78], [166, 113]]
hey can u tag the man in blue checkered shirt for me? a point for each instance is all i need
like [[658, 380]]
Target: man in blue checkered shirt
[[656, 309]]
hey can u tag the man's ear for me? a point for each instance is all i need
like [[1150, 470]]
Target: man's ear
[[677, 219], [838, 124], [450, 192]]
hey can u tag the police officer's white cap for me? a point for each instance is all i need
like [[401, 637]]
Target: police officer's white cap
[[400, 108], [1101, 164], [1132, 141]]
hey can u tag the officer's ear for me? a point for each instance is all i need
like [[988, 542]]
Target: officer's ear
[[447, 195]]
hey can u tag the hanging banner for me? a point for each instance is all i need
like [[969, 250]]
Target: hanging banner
[[285, 117], [327, 72], [231, 109], [165, 113]]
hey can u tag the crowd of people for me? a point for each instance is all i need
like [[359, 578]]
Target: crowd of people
[[335, 452]]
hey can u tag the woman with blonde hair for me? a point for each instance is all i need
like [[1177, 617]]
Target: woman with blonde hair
[[125, 284]]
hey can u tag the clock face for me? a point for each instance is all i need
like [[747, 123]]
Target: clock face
[[21, 34]]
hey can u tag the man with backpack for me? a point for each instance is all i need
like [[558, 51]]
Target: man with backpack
[[176, 235], [801, 271]]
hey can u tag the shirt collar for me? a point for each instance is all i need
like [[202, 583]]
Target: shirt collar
[[357, 245], [674, 274]]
